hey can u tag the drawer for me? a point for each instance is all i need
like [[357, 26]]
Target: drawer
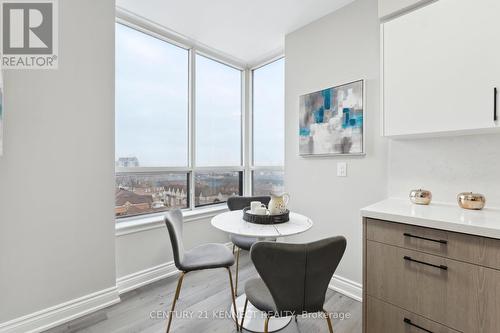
[[472, 249], [459, 295], [385, 318]]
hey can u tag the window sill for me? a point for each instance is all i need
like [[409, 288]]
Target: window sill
[[154, 221]]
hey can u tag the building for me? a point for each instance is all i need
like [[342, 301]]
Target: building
[[127, 162], [130, 203]]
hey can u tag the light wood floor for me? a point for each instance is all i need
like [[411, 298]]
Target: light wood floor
[[205, 292]]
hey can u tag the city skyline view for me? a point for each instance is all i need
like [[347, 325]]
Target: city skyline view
[[138, 193]]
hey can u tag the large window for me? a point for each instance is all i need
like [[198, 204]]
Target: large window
[[151, 123], [142, 193], [267, 181], [151, 100], [218, 132], [268, 128], [216, 186], [218, 114], [179, 126]]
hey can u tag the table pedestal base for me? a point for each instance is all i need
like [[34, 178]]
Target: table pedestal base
[[254, 319]]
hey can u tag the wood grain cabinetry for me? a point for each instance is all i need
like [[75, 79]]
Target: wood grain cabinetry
[[468, 248], [451, 280], [386, 318]]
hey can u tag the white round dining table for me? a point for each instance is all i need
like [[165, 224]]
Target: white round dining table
[[232, 222]]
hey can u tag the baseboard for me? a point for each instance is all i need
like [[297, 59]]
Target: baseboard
[[347, 287], [62, 313], [144, 277], [149, 275]]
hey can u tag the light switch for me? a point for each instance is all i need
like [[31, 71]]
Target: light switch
[[341, 169]]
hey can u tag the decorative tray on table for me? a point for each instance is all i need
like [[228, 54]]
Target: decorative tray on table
[[265, 219]]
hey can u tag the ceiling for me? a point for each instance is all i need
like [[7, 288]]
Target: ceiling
[[249, 32]]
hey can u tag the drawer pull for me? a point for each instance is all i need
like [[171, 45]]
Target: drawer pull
[[495, 91], [443, 267], [409, 322], [442, 241]]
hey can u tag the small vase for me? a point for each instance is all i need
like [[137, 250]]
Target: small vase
[[421, 197], [469, 200]]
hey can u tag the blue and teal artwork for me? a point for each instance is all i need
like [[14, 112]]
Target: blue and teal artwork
[[331, 121]]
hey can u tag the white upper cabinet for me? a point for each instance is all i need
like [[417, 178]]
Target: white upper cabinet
[[440, 66], [388, 8]]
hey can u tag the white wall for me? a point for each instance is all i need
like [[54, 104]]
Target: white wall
[[56, 175], [143, 250], [446, 166], [339, 48]]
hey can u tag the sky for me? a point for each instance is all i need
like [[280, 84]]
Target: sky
[[152, 106], [151, 99], [269, 114], [218, 114]]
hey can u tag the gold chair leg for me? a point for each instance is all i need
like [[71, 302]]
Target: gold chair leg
[[237, 269], [266, 325], [234, 300], [234, 246], [176, 297], [178, 292], [329, 321], [243, 315]]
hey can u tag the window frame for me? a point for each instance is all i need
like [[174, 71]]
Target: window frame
[[191, 168], [154, 171], [253, 168], [161, 37], [246, 166]]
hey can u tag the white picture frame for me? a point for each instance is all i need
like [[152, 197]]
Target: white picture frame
[[332, 121]]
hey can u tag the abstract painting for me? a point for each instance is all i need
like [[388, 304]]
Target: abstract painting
[[331, 121]]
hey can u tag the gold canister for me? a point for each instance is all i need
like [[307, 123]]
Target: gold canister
[[421, 197], [469, 200]]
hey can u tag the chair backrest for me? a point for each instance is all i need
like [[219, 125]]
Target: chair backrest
[[298, 275], [174, 222], [238, 203]]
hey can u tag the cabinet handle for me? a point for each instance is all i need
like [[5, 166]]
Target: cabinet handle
[[442, 241], [409, 322], [495, 91], [443, 267]]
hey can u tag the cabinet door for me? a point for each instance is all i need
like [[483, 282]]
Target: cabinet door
[[441, 64], [458, 295], [472, 249], [383, 317]]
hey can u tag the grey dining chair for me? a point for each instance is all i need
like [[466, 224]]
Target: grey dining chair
[[294, 277], [206, 256], [243, 242]]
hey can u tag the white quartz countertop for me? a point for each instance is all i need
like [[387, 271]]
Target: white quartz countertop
[[450, 217]]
